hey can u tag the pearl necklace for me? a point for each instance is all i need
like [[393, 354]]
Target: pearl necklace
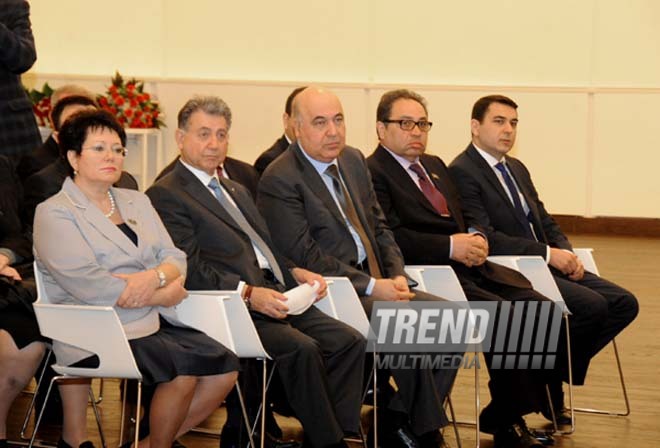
[[112, 205]]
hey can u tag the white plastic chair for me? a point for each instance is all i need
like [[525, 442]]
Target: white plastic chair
[[587, 258], [442, 281], [223, 316], [536, 270], [96, 329]]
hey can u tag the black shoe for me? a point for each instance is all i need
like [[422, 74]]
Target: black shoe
[[401, 437], [86, 444], [516, 436], [563, 416], [432, 439], [3, 443], [229, 438]]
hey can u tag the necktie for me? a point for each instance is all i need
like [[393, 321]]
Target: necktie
[[517, 205], [245, 226], [434, 196], [349, 210]]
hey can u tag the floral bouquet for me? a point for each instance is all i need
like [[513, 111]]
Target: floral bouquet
[[133, 107], [41, 105]]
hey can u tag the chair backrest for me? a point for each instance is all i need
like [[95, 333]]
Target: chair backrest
[[96, 329], [437, 280], [536, 270], [586, 256], [343, 303], [223, 316]]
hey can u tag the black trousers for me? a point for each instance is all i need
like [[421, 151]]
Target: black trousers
[[420, 392], [601, 309], [514, 392], [320, 362]]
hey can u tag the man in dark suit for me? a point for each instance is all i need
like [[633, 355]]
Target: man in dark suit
[[282, 143], [320, 360], [423, 210], [48, 180], [229, 168], [19, 133], [498, 194], [320, 205]]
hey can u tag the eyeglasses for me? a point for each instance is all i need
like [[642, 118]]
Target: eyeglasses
[[99, 149], [408, 125]]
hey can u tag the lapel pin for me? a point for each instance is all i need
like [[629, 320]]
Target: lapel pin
[[435, 176], [132, 221]]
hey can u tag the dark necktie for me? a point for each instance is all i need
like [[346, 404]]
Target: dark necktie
[[349, 210], [515, 196], [434, 196], [245, 226]]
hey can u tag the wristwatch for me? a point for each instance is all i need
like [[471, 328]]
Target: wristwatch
[[162, 279]]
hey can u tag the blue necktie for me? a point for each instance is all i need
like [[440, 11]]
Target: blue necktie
[[245, 226], [517, 205]]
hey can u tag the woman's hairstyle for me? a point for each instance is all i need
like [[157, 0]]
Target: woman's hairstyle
[[74, 131]]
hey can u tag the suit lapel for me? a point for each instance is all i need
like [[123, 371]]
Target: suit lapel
[[95, 217], [313, 180], [392, 166], [491, 178], [194, 188], [439, 177]]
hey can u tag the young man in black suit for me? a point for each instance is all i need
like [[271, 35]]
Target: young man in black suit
[[423, 210], [320, 361], [498, 194], [282, 143], [320, 205]]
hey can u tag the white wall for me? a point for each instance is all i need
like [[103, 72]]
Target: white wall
[[586, 74]]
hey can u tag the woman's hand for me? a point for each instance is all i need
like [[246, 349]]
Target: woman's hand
[[7, 270], [140, 288]]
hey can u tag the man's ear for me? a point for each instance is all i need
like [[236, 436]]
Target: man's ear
[[178, 137], [380, 129], [474, 126]]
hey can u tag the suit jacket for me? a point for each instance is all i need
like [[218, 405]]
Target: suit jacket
[[41, 157], [486, 203], [307, 225], [421, 233], [19, 133], [48, 181], [77, 249], [272, 153], [237, 170], [13, 235], [219, 253]]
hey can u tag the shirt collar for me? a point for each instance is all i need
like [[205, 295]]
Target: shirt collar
[[492, 161], [319, 166], [405, 163], [203, 176]]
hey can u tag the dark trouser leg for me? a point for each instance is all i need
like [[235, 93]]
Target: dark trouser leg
[[600, 310], [320, 362]]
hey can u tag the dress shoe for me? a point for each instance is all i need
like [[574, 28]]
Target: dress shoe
[[563, 416], [229, 438], [394, 437], [432, 439], [86, 444], [517, 435], [3, 443]]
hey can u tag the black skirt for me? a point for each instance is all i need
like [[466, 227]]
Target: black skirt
[[174, 351], [21, 326]]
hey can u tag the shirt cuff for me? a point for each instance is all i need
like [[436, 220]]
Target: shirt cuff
[[451, 246], [9, 254], [547, 254], [370, 286]]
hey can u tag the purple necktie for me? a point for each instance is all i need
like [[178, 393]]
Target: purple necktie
[[433, 195]]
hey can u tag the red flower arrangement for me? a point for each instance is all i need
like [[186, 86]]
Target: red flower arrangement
[[41, 105], [133, 107]]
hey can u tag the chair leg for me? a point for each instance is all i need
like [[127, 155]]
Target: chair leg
[[97, 415], [43, 408], [623, 390], [99, 399], [246, 419], [477, 403], [136, 439], [453, 421], [28, 414], [261, 417], [122, 415]]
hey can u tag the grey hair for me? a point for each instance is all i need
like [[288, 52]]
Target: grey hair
[[211, 105]]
